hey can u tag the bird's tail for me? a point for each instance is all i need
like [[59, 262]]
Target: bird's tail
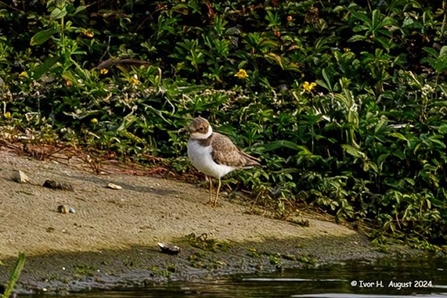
[[251, 161]]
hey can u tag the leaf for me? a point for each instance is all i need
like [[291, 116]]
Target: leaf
[[399, 136], [284, 144], [322, 84], [407, 22], [347, 101], [42, 36], [79, 9], [399, 154], [370, 165], [286, 171], [327, 80], [431, 51], [15, 275], [351, 150], [58, 13], [382, 123], [232, 31], [275, 57], [387, 22], [386, 43], [437, 141], [375, 24], [159, 113], [443, 51], [382, 158], [442, 129], [410, 181], [127, 121], [45, 67], [357, 37], [293, 66], [361, 15], [70, 76]]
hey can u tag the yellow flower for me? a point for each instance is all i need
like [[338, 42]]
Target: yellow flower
[[94, 121], [23, 75], [134, 80], [8, 115], [103, 71], [309, 86], [88, 33], [241, 74]]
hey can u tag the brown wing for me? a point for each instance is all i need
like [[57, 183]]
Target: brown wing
[[226, 153]]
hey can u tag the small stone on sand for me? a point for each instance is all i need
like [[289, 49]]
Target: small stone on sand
[[114, 186], [20, 177]]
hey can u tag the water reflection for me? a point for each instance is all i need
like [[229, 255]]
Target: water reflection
[[423, 277]]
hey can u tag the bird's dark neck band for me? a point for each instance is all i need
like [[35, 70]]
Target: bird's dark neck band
[[205, 142]]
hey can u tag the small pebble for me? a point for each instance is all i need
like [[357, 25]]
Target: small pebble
[[65, 209], [20, 177], [57, 185], [169, 249], [114, 186]]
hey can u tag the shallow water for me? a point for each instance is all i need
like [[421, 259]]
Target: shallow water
[[423, 277]]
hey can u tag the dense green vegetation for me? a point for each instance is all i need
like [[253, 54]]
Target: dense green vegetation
[[344, 102]]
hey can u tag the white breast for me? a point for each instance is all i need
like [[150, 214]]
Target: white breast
[[201, 159]]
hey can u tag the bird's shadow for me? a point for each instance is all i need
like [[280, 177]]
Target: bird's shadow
[[126, 186]]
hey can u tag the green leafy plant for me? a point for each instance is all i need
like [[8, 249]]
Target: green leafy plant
[[14, 275], [376, 27]]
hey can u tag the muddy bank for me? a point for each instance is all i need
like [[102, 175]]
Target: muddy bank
[[112, 238], [144, 266]]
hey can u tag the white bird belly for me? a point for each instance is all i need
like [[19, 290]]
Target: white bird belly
[[201, 159]]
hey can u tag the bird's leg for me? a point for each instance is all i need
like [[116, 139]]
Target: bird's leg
[[217, 193], [211, 190]]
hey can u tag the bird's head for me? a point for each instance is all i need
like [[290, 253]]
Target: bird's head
[[200, 128]]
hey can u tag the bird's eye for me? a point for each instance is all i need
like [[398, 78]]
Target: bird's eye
[[201, 128]]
